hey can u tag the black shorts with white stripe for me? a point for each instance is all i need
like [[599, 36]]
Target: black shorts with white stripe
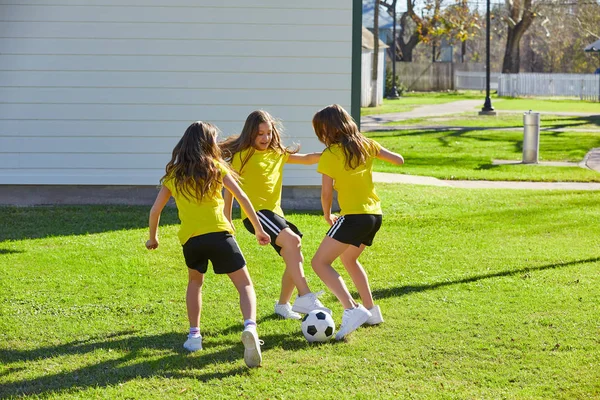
[[273, 224], [356, 229]]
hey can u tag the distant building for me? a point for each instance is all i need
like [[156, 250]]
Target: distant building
[[368, 47]]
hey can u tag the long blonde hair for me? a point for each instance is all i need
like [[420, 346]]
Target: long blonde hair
[[245, 140], [193, 165], [333, 125]]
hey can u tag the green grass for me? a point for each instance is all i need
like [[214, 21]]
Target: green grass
[[486, 294], [411, 100], [467, 153], [471, 120], [562, 105]]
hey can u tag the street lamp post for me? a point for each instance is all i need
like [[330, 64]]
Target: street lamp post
[[487, 105], [394, 92]]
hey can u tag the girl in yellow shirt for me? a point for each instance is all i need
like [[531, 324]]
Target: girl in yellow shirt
[[258, 156], [346, 165], [195, 177]]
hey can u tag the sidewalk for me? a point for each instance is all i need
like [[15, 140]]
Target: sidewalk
[[375, 122], [385, 177]]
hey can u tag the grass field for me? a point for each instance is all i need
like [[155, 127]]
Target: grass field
[[468, 153], [464, 146], [486, 294], [411, 100]]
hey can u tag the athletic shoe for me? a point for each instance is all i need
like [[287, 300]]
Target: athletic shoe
[[309, 302], [376, 317], [193, 343], [285, 311], [252, 355], [351, 320]]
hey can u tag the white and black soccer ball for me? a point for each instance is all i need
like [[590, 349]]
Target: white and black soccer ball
[[318, 326]]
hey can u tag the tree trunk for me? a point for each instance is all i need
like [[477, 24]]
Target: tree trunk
[[406, 48], [512, 61], [375, 70]]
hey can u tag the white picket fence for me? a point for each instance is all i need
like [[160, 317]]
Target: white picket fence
[[584, 86], [472, 80]]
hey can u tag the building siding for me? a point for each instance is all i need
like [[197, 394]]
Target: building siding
[[98, 93]]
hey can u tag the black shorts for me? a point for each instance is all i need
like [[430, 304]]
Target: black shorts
[[219, 247], [356, 229], [273, 224]]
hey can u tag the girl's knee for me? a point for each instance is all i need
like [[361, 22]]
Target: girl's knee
[[347, 259], [289, 241]]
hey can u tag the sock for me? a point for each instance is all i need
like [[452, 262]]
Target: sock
[[249, 322], [194, 331]]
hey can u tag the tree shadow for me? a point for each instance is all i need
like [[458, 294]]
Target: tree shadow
[[409, 289], [136, 363]]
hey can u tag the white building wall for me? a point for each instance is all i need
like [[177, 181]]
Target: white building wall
[[99, 91]]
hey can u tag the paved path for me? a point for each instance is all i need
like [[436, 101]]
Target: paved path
[[375, 122], [430, 181]]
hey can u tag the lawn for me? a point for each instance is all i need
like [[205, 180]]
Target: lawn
[[410, 100], [464, 146], [485, 293], [514, 121]]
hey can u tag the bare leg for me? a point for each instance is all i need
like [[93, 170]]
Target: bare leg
[[243, 284], [350, 260], [287, 287], [328, 251], [291, 252], [193, 296]]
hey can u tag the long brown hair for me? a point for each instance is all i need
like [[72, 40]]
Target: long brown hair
[[333, 125], [245, 140], [192, 165]]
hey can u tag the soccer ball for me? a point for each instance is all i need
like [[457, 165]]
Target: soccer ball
[[318, 326]]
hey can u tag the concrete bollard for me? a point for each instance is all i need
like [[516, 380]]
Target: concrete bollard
[[531, 137]]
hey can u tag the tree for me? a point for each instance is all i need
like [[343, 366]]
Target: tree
[[459, 24], [520, 15], [413, 28]]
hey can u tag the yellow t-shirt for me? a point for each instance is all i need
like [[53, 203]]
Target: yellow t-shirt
[[199, 218], [356, 192], [261, 178]]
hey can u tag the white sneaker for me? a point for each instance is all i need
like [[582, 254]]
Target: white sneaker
[[252, 355], [351, 320], [376, 317], [309, 302], [285, 311], [193, 343]]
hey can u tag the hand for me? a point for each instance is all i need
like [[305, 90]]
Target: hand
[[263, 238], [331, 219], [152, 244]]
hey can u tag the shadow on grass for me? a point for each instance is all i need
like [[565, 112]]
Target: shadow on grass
[[408, 289], [138, 362], [21, 223], [47, 221], [9, 251]]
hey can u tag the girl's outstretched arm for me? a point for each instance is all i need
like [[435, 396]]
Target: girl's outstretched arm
[[305, 159], [161, 200], [232, 186], [228, 199], [327, 199], [389, 156]]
